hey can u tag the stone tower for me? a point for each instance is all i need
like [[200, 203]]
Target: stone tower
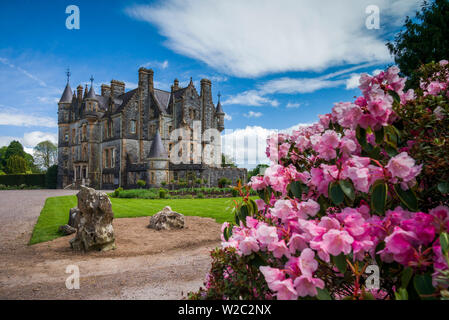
[[158, 169]]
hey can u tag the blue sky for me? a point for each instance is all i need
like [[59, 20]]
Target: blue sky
[[277, 64]]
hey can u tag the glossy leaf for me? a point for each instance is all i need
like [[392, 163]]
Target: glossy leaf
[[340, 262], [347, 188], [443, 187], [379, 197], [444, 242], [407, 274], [423, 285], [379, 134], [323, 294], [296, 189], [407, 197], [336, 194]]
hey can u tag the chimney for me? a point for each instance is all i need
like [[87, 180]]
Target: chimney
[[79, 90], [146, 80], [105, 90], [175, 85], [206, 89], [117, 88]]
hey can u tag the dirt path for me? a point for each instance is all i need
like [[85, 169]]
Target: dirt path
[[146, 264]]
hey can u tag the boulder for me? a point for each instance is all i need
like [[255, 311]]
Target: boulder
[[93, 221], [74, 217], [67, 230], [167, 219]]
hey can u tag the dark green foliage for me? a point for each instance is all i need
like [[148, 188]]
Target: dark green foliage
[[224, 182], [29, 180], [425, 38], [16, 164], [51, 177]]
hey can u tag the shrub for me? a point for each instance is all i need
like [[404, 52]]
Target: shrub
[[162, 193], [343, 195], [51, 177], [224, 182], [16, 164], [163, 183], [235, 192], [117, 192], [200, 195], [141, 183]]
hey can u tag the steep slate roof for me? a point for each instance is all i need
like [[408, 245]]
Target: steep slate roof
[[219, 108], [123, 100], [162, 98], [91, 94], [157, 148], [67, 94]]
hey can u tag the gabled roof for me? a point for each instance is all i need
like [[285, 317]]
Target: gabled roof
[[91, 94], [219, 108], [162, 98], [66, 95], [157, 148]]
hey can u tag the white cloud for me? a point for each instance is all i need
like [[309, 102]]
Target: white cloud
[[298, 85], [13, 117], [250, 98], [26, 73], [293, 105], [156, 64], [227, 117], [30, 139], [255, 37], [252, 114], [247, 146]]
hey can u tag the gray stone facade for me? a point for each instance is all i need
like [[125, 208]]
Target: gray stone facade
[[118, 137]]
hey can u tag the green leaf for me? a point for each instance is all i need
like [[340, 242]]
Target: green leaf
[[391, 135], [253, 205], [379, 197], [401, 294], [444, 242], [296, 189], [336, 194], [340, 262], [225, 234], [323, 294], [323, 204], [243, 213], [391, 150], [368, 296], [423, 285], [443, 187], [407, 274], [407, 197], [361, 136], [379, 134], [347, 188]]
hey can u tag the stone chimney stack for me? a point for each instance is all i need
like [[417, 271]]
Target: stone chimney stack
[[146, 81], [117, 88], [79, 90], [105, 90], [175, 85]]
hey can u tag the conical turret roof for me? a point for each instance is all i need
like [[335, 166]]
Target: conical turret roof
[[66, 95], [91, 94], [157, 148], [219, 108]]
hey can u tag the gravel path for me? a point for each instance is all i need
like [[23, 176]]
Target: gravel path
[[38, 271]]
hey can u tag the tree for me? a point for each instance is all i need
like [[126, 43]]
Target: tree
[[2, 158], [425, 38], [256, 170], [46, 154], [16, 164], [51, 177], [226, 161]]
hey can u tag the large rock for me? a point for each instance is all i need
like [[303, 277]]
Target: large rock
[[93, 221], [167, 219], [72, 224]]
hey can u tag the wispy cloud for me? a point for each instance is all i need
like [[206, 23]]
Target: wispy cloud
[[250, 98], [293, 105], [253, 114], [26, 73], [301, 35], [14, 117], [156, 64]]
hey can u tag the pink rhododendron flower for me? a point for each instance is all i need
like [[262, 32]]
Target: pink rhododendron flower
[[307, 262], [336, 242], [403, 166], [266, 235], [248, 245], [308, 208], [306, 286]]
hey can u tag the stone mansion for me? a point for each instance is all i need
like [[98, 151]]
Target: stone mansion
[[118, 137]]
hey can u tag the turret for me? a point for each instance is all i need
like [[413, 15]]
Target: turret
[[65, 102], [158, 170], [220, 115], [91, 101]]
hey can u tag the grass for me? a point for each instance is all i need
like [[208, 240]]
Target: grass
[[56, 211]]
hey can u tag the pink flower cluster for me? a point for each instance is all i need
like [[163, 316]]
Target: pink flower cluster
[[292, 233]]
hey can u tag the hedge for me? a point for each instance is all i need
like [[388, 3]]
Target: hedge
[[35, 179]]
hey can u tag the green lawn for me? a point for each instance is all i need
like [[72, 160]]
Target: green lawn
[[56, 211]]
